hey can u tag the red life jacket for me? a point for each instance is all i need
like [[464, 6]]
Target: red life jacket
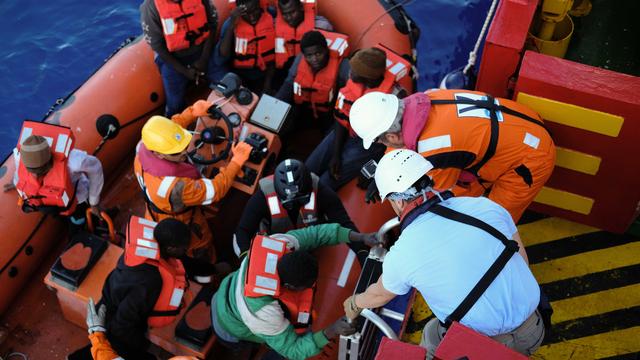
[[288, 38], [262, 279], [397, 68], [318, 89], [254, 45], [184, 24], [53, 193], [142, 248], [280, 221]]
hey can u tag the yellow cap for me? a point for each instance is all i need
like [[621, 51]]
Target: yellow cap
[[164, 136]]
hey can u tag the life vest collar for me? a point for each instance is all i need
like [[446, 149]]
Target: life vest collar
[[420, 206]]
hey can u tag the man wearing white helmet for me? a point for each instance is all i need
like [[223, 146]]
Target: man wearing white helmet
[[476, 142], [446, 247]]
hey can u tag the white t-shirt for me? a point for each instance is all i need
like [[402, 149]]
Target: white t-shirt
[[444, 260]]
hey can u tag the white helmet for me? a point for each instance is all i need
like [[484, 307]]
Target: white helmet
[[398, 170], [372, 115]]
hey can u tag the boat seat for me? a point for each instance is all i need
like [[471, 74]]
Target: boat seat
[[194, 339]]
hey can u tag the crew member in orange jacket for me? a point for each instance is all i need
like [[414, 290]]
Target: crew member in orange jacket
[[247, 38], [476, 142], [340, 155], [174, 187]]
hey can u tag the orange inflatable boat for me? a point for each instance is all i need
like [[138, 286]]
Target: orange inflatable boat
[[106, 115]]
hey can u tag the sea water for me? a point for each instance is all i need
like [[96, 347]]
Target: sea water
[[50, 48]]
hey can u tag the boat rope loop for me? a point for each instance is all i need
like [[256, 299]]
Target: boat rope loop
[[473, 55]]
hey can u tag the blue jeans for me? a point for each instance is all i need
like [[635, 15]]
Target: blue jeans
[[353, 157], [175, 84]]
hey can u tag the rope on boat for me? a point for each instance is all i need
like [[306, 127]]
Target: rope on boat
[[473, 55]]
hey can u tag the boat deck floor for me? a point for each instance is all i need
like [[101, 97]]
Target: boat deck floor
[[592, 279], [608, 37]]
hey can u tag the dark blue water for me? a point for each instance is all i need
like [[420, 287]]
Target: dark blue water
[[50, 47]]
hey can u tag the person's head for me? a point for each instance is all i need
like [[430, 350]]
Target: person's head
[[251, 10], [368, 67], [173, 238], [166, 139], [292, 12], [35, 154], [298, 270], [315, 50], [377, 117], [293, 184], [401, 177]]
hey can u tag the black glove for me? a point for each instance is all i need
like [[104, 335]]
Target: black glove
[[372, 193], [364, 182], [341, 327]]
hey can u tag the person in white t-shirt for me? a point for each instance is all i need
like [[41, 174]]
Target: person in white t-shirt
[[445, 247]]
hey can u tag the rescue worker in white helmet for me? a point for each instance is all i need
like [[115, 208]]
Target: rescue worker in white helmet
[[463, 254], [291, 198]]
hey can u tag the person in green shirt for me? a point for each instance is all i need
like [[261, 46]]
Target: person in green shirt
[[237, 317]]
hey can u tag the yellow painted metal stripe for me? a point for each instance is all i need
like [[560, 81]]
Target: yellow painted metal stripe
[[596, 303], [587, 263], [577, 161], [565, 200], [551, 229], [598, 346], [573, 115], [419, 311]]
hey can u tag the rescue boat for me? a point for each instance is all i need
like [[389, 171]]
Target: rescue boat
[[106, 115]]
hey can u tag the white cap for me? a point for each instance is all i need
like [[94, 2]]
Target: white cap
[[373, 114], [398, 170]]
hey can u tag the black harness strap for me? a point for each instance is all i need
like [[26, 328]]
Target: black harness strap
[[511, 247], [488, 104]]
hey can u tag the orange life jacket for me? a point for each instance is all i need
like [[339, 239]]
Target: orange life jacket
[[318, 89], [184, 24], [280, 221], [262, 279], [465, 131], [254, 45], [142, 248], [397, 68], [288, 38], [53, 193]]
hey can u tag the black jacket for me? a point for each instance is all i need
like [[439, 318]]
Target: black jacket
[[330, 210]]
